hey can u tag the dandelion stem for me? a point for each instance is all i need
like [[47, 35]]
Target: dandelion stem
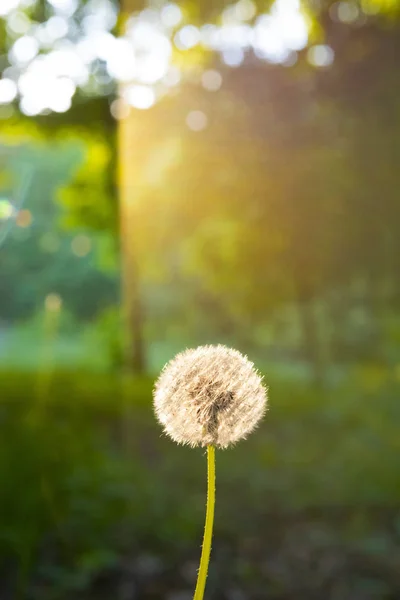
[[208, 528]]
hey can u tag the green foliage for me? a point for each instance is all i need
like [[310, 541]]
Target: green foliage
[[40, 259], [88, 198], [61, 495]]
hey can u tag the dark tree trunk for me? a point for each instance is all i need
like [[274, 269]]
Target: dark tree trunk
[[131, 288], [314, 351]]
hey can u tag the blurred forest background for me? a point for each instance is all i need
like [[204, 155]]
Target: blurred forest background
[[174, 175]]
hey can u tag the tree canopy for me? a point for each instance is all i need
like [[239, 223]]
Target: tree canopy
[[81, 49]]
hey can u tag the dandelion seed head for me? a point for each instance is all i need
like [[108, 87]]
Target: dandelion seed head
[[211, 395]]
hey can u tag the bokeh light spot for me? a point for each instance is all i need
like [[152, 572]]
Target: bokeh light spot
[[6, 209], [8, 91], [24, 50], [59, 94], [67, 7], [18, 23], [187, 37], [245, 10], [6, 6], [347, 12], [31, 105], [56, 28], [121, 59], [173, 77], [140, 96], [211, 80], [53, 303], [24, 218], [50, 243], [197, 120], [81, 245], [233, 57], [171, 15], [119, 109], [320, 55]]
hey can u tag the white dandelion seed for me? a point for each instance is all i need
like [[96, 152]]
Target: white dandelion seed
[[211, 395]]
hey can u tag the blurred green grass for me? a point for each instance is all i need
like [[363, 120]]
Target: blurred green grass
[[336, 445], [86, 472]]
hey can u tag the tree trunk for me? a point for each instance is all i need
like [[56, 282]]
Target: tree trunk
[[312, 344], [131, 298], [338, 308], [313, 348], [133, 318]]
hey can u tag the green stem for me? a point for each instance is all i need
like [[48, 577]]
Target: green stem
[[208, 529]]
